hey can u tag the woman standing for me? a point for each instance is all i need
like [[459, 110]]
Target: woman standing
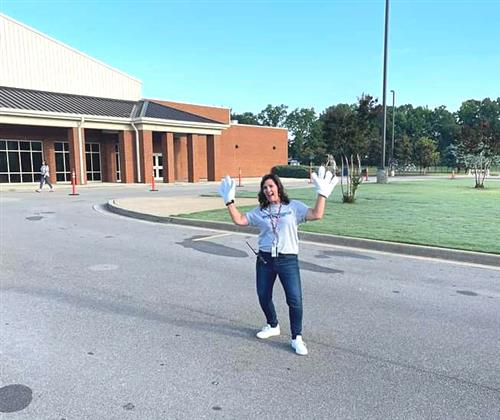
[[277, 218]]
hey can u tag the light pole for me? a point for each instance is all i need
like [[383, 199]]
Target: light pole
[[381, 174], [393, 114]]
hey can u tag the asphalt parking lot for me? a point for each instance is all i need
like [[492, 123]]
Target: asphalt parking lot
[[108, 317]]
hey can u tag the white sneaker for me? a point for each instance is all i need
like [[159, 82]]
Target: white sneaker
[[268, 331], [299, 346], [38, 190]]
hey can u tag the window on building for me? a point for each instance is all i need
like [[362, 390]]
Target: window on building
[[93, 157], [117, 160], [63, 171], [20, 160]]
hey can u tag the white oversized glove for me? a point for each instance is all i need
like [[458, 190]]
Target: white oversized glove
[[324, 181], [227, 189]]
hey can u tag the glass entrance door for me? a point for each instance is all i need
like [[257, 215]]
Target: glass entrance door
[[61, 150], [158, 166], [93, 158], [117, 161]]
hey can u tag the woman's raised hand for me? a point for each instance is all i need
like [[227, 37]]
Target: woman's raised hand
[[227, 189], [324, 181]]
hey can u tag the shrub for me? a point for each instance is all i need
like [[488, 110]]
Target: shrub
[[291, 171], [353, 177]]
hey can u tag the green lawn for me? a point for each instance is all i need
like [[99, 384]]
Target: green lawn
[[445, 213]]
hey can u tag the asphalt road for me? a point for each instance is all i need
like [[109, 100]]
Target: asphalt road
[[106, 317]]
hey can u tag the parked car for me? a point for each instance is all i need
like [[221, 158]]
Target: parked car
[[293, 162]]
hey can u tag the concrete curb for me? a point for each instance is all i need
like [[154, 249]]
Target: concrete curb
[[368, 244], [113, 208]]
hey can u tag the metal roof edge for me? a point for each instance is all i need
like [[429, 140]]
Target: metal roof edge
[[196, 124], [60, 115]]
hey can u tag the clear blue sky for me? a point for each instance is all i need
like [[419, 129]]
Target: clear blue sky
[[247, 54]]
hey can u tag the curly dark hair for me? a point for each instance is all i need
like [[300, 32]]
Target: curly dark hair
[[263, 201]]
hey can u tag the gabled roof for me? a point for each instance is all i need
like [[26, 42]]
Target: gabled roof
[[36, 100], [149, 109]]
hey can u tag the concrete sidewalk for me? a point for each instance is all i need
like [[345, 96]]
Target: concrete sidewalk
[[165, 210], [172, 206], [245, 182], [65, 186]]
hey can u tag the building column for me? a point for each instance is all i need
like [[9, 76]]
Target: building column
[[126, 142], [108, 161], [192, 143], [74, 154], [213, 158], [146, 155], [50, 157], [201, 157], [180, 158], [167, 150]]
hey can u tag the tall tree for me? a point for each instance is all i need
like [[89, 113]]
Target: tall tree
[[273, 116], [414, 123], [450, 157], [339, 129], [367, 134], [372, 113], [306, 140], [479, 144], [418, 122], [404, 151], [426, 152], [246, 118], [445, 129], [352, 129]]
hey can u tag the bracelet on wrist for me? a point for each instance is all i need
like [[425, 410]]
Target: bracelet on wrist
[[230, 202]]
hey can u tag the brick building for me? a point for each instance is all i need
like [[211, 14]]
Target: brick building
[[83, 116]]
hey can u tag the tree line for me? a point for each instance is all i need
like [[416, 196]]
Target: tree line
[[423, 137]]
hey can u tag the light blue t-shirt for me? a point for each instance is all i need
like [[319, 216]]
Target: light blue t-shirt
[[284, 219]]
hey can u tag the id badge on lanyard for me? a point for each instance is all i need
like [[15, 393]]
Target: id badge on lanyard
[[274, 225], [274, 249]]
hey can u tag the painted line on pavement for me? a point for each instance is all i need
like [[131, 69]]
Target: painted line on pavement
[[212, 236], [395, 254], [374, 251]]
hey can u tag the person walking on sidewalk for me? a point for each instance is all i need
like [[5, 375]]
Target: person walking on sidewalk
[[44, 177], [277, 218]]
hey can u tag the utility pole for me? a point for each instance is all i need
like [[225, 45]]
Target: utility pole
[[381, 174]]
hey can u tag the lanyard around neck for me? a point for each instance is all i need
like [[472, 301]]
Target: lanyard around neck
[[274, 220]]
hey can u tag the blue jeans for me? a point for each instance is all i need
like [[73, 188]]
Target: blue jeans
[[286, 267], [45, 180]]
